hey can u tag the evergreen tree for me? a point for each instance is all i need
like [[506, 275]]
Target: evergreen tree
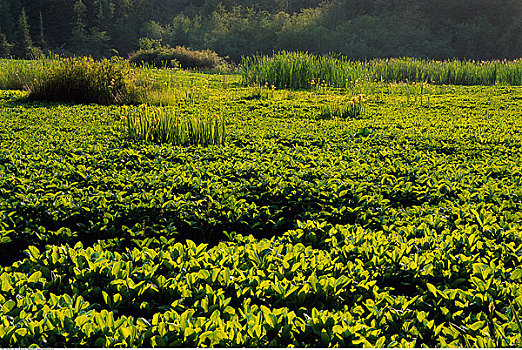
[[5, 47], [79, 35], [88, 40], [100, 15], [23, 44], [41, 37], [80, 11]]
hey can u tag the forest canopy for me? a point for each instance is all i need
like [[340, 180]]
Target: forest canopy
[[358, 29]]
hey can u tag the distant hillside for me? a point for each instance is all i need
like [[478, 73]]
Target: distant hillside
[[474, 29]]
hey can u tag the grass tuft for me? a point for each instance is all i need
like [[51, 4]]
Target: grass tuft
[[168, 125], [343, 109]]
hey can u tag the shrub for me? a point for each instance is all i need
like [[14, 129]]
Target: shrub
[[84, 80], [180, 57], [167, 125], [160, 57]]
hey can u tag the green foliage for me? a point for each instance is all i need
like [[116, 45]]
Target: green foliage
[[351, 291], [24, 47], [452, 72], [23, 41], [359, 30], [298, 70], [87, 41], [179, 57], [84, 80], [5, 46], [170, 125], [42, 43], [20, 74], [160, 57], [401, 228], [352, 108]]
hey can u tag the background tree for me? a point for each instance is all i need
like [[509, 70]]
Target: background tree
[[5, 46], [87, 40], [79, 33], [472, 29], [40, 39], [23, 47]]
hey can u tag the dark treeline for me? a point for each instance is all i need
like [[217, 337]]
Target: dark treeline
[[472, 29]]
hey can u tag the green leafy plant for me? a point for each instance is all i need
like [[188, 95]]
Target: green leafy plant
[[399, 229], [298, 70]]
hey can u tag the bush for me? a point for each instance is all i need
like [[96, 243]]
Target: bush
[[180, 57], [84, 80]]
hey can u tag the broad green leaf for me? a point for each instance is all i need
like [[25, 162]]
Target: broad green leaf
[[157, 342], [517, 274], [8, 306], [432, 288], [35, 277], [477, 325]]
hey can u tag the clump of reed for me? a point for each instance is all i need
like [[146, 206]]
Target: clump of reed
[[170, 125], [20, 74], [342, 108], [449, 72], [301, 70]]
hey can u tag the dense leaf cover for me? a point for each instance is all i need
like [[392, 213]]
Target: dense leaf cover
[[400, 227]]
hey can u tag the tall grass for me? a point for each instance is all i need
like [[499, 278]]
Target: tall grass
[[300, 70], [77, 80], [450, 72], [169, 125], [342, 108], [20, 74]]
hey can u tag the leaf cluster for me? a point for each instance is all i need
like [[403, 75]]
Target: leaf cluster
[[401, 228]]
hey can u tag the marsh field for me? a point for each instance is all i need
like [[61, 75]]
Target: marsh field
[[243, 209]]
